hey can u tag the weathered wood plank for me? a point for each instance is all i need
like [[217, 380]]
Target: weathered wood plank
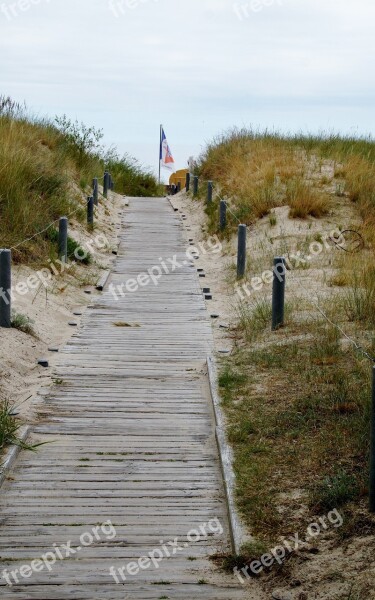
[[131, 439]]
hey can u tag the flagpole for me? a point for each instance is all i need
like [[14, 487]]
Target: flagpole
[[160, 148]]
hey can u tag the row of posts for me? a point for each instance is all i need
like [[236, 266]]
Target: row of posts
[[210, 187], [6, 255], [278, 294]]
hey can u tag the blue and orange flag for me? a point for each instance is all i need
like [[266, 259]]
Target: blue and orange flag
[[166, 158]]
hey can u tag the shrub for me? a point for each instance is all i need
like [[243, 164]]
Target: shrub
[[75, 250]]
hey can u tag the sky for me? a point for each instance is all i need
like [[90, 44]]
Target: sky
[[197, 66]]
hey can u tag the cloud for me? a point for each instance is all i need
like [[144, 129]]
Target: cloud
[[195, 66]]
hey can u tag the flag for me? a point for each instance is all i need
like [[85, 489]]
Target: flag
[[166, 158]]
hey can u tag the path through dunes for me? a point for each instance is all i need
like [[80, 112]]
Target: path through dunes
[[131, 432]]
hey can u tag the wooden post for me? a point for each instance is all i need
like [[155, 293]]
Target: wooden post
[[278, 293], [210, 188], [196, 185], [63, 239], [187, 184], [241, 255], [372, 447], [95, 190], [5, 288], [90, 210], [223, 214], [105, 184]]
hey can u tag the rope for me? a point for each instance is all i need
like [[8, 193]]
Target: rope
[[43, 230], [46, 228], [221, 199]]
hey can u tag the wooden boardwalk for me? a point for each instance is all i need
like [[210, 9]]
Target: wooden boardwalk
[[131, 433]]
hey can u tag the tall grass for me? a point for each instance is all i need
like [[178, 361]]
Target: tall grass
[[9, 429], [261, 170], [46, 169], [298, 402]]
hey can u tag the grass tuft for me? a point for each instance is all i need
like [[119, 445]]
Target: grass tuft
[[9, 428], [334, 491], [23, 323]]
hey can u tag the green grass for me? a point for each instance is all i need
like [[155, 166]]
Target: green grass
[[305, 426], [75, 251], [9, 428], [298, 400], [46, 171], [23, 323], [334, 491]]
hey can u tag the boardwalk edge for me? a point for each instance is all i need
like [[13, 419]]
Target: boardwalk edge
[[103, 280], [238, 531], [11, 454]]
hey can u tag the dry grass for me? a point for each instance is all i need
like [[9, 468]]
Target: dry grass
[[259, 171], [46, 173], [305, 201], [298, 414], [298, 401]]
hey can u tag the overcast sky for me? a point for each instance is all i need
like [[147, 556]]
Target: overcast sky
[[197, 66]]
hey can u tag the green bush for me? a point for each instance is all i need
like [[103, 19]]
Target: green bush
[[75, 250]]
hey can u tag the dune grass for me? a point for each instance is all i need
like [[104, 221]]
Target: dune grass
[[46, 170], [261, 170], [298, 401], [10, 429]]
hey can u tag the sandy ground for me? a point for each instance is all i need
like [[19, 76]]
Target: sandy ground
[[326, 572], [51, 309]]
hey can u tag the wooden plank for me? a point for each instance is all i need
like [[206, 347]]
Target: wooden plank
[[130, 438]]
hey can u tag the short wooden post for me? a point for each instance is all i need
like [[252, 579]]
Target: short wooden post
[[90, 210], [210, 187], [5, 288], [95, 190], [278, 293], [179, 186], [105, 184], [241, 255], [372, 446], [63, 239], [196, 185], [187, 183], [223, 214]]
